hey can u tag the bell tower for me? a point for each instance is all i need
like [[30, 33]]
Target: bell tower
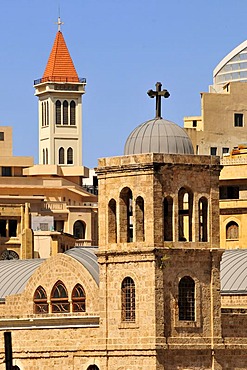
[[60, 92]]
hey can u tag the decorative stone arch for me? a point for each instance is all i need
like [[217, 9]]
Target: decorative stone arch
[[185, 213], [168, 218], [125, 214], [79, 229], [112, 221], [203, 219], [139, 219]]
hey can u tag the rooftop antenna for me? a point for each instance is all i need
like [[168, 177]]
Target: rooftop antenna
[[59, 22]]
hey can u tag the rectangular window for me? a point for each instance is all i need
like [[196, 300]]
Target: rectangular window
[[1, 136], [229, 192], [213, 150], [194, 123], [6, 171], [225, 151], [238, 119], [43, 226]]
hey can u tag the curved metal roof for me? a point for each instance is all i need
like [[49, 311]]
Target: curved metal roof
[[229, 56], [233, 272], [14, 275], [158, 136], [86, 256]]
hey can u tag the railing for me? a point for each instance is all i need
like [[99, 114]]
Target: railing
[[91, 189], [54, 206], [59, 79], [233, 160]]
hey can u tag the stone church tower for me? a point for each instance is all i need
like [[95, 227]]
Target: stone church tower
[[158, 254], [60, 93]]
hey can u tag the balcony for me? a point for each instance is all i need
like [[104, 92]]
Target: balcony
[[54, 206], [59, 79]]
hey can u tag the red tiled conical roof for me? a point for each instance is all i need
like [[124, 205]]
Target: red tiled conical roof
[[60, 67]]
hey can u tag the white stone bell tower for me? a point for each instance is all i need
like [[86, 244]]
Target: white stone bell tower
[[60, 93]]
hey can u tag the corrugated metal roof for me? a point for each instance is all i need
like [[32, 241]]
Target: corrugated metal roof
[[14, 275], [233, 272], [86, 256]]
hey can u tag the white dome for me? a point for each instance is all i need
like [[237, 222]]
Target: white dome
[[158, 136]]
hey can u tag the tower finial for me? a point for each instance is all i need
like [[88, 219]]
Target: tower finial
[[59, 23], [158, 94]]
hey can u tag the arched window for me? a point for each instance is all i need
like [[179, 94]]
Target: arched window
[[92, 367], [232, 231], [128, 299], [61, 156], [72, 113], [65, 113], [203, 219], [40, 300], [78, 299], [185, 203], [126, 223], [168, 213], [58, 112], [70, 156], [59, 298], [47, 113], [79, 230], [112, 222], [43, 156], [186, 299], [140, 232], [42, 115], [46, 156]]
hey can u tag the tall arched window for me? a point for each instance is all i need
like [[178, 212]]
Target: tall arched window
[[40, 300], [203, 219], [185, 203], [61, 156], [46, 156], [128, 299], [186, 299], [70, 156], [65, 113], [168, 213], [79, 230], [59, 298], [112, 222], [92, 367], [58, 112], [126, 223], [78, 299], [140, 231], [232, 231], [72, 113], [47, 113], [42, 114]]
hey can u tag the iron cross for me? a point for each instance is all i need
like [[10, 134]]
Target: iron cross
[[158, 94]]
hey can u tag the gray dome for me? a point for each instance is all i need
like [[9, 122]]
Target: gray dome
[[158, 136]]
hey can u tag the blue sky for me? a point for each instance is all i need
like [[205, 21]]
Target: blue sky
[[122, 47]]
